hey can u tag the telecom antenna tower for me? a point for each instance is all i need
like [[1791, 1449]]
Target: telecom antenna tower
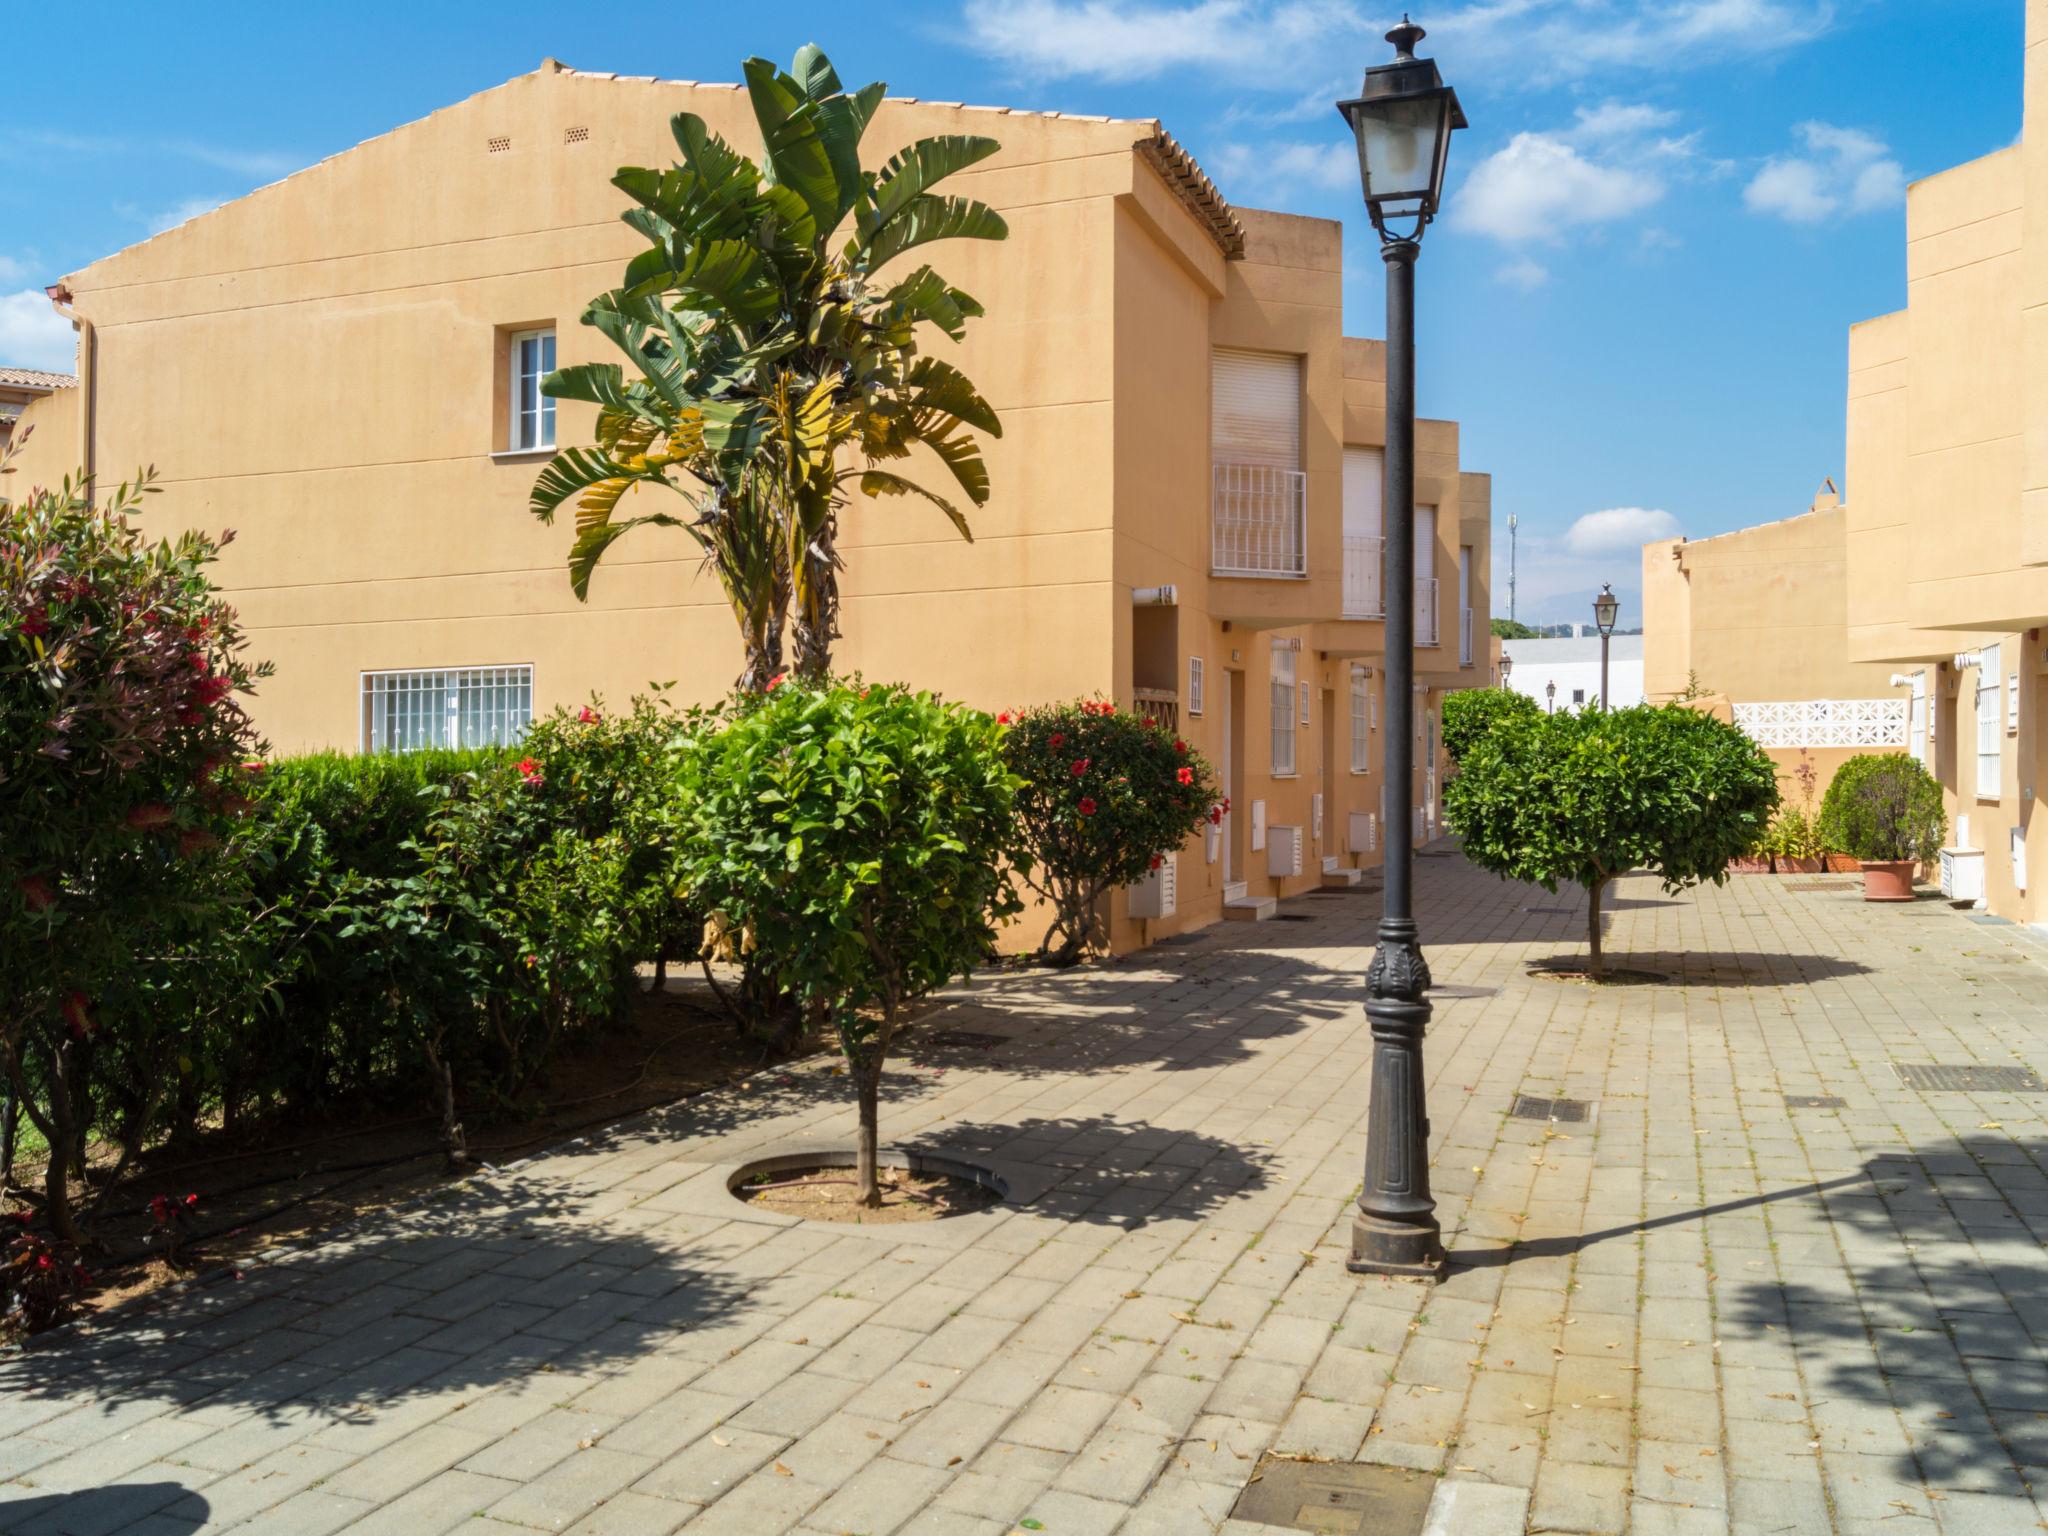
[[1511, 567]]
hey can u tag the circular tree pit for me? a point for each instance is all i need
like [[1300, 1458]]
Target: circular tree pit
[[821, 1186]]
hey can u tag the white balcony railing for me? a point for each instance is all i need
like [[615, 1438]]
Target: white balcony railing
[[1364, 596], [1425, 611], [1464, 637], [1258, 521]]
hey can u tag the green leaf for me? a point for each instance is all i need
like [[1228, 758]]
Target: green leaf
[[929, 217]]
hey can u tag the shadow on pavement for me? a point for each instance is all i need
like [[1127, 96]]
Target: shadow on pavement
[[462, 1294], [115, 1507], [1116, 1173], [1953, 1295]]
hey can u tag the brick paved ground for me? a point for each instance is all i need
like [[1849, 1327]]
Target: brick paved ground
[[1703, 1310]]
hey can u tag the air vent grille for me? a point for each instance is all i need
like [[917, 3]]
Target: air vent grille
[[497, 145], [576, 135]]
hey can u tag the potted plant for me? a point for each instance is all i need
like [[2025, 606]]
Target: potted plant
[[1886, 810]]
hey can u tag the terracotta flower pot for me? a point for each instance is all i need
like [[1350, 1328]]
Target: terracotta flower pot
[[1843, 864], [1754, 865], [1889, 879], [1788, 865]]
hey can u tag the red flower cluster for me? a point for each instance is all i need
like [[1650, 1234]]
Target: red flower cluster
[[529, 770], [1080, 766], [165, 1210], [36, 622], [1056, 740], [587, 716], [1005, 718], [78, 1019], [776, 682], [1184, 775], [1157, 860], [1097, 707], [150, 817], [1180, 746], [1087, 806]]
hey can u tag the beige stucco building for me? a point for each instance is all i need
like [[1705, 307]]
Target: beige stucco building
[[21, 388], [1940, 554], [1187, 490]]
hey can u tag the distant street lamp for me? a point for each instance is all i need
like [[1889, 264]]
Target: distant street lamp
[[1605, 607], [1550, 693], [1402, 119], [1507, 665]]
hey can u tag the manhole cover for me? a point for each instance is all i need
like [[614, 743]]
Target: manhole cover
[[965, 1039], [1568, 1111], [1814, 1101], [1337, 1498], [1967, 1079]]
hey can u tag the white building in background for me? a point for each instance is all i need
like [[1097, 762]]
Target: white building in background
[[1574, 667]]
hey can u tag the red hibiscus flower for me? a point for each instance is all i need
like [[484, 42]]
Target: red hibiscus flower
[[1080, 766], [1004, 718], [529, 770], [1184, 775], [776, 682], [1180, 746], [1157, 860], [1056, 740], [1086, 807], [587, 716], [1215, 815]]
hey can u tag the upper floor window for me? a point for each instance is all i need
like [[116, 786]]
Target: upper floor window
[[446, 707], [1361, 721], [532, 422]]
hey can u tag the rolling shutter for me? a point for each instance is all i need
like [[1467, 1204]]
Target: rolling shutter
[[1255, 409]]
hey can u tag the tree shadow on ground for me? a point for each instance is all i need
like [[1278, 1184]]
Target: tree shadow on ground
[[1118, 1173], [1707, 968], [115, 1507], [1953, 1309], [1942, 1317], [476, 1289]]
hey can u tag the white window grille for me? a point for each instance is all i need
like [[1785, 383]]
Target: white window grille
[[1195, 685], [1916, 721], [533, 413], [1364, 533], [449, 707], [2012, 704], [1990, 740], [1426, 626], [1304, 703], [1361, 722], [1825, 722], [1283, 713], [1259, 505]]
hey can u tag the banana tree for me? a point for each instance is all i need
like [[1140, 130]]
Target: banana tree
[[778, 371]]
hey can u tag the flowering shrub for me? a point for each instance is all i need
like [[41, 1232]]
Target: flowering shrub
[[40, 1278], [1106, 795], [121, 787], [851, 839], [171, 1220]]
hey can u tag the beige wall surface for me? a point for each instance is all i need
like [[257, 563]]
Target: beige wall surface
[[320, 366]]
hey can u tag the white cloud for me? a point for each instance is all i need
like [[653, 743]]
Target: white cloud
[[1614, 119], [1271, 170], [1524, 274], [1280, 44], [12, 271], [1619, 530], [1841, 170], [1539, 185], [33, 335], [171, 218]]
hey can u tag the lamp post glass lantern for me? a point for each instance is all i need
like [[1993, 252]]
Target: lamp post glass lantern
[[1550, 693], [1605, 607], [1507, 665], [1402, 120]]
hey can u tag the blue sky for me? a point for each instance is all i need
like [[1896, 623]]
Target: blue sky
[[1661, 223]]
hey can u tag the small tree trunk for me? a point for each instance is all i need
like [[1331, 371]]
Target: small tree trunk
[[1597, 969], [869, 1079], [63, 1142], [452, 1143]]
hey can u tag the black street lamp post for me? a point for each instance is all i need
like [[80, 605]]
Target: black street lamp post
[[1605, 607], [1402, 118], [1550, 693], [1507, 665]]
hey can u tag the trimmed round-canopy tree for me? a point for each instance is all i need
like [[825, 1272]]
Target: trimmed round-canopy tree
[[851, 838], [1583, 797], [1106, 795], [1884, 807], [1471, 713]]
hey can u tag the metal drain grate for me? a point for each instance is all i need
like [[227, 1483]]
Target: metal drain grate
[[1292, 917], [1942, 1076], [1565, 1111], [1336, 1498], [965, 1039], [1823, 885], [1814, 1101], [1557, 911]]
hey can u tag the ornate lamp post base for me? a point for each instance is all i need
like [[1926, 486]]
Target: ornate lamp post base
[[1395, 1231]]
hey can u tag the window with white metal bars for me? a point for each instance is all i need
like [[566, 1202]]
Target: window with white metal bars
[[1283, 713], [1990, 739], [446, 707], [1361, 722], [533, 413], [1916, 721], [1195, 681]]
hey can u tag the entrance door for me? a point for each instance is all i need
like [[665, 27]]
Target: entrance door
[[1233, 776], [1327, 724]]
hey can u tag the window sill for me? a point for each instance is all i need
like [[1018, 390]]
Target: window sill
[[501, 455]]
